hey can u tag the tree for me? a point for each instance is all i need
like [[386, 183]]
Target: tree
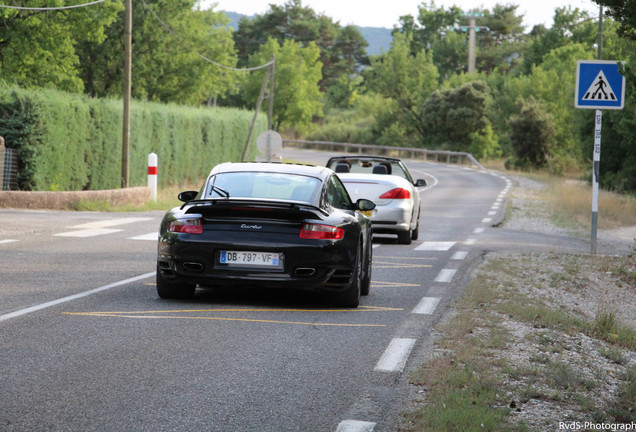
[[297, 97], [342, 50], [168, 35], [533, 134], [457, 119], [570, 26], [38, 48], [443, 32], [500, 44], [408, 80]]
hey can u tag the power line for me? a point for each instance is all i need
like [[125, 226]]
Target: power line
[[52, 8]]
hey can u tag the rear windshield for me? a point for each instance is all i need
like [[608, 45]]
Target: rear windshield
[[264, 185]]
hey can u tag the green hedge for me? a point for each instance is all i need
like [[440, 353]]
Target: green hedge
[[73, 142]]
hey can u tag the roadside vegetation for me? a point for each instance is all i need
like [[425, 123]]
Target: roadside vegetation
[[516, 106], [537, 339]]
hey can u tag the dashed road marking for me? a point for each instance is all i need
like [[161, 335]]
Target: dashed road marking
[[426, 306], [7, 241], [445, 275], [355, 426], [153, 236], [459, 255], [396, 355], [435, 246]]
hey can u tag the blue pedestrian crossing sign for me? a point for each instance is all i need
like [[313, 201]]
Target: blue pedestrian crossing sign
[[599, 85]]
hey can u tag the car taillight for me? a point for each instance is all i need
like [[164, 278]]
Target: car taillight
[[321, 232], [397, 193], [187, 226]]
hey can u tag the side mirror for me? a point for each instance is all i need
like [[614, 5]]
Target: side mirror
[[365, 204], [420, 183], [188, 196]]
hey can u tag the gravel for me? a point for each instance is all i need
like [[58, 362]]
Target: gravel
[[559, 376]]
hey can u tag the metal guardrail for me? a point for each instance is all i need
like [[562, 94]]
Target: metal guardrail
[[400, 152]]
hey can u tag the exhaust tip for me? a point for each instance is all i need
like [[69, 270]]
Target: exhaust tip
[[192, 266], [305, 271]]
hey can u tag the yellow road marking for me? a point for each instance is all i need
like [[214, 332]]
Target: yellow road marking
[[165, 315], [382, 264], [407, 258], [393, 284]]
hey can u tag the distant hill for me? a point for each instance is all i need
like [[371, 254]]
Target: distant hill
[[378, 38]]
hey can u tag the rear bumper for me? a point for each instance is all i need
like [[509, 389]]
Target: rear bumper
[[392, 218], [326, 268]]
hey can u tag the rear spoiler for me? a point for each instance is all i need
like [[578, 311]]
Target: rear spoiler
[[257, 203]]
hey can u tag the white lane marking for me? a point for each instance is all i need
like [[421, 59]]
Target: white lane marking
[[492, 213], [470, 241], [486, 220], [426, 306], [88, 232], [153, 236], [395, 356], [7, 241], [445, 275], [97, 228], [435, 246], [478, 230], [110, 222], [460, 255], [74, 297], [355, 426]]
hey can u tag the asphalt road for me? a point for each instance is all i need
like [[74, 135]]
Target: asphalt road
[[86, 344]]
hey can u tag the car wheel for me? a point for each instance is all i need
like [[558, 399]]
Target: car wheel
[[351, 297], [416, 232], [366, 281], [404, 237], [169, 289]]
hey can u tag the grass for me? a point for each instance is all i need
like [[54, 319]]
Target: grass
[[570, 203], [473, 385]]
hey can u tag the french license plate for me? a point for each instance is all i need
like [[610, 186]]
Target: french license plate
[[249, 258]]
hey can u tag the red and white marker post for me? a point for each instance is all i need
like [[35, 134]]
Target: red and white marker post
[[152, 176]]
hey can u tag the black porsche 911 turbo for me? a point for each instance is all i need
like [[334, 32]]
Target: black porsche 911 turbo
[[268, 225]]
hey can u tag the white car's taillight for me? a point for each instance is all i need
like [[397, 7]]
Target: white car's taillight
[[321, 232], [397, 193], [188, 226]]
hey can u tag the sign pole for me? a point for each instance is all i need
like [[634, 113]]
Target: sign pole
[[595, 176], [599, 85]]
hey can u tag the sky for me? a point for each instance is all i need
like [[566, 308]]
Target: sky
[[376, 13]]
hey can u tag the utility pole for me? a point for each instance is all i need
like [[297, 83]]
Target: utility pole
[[472, 29], [600, 33], [125, 147]]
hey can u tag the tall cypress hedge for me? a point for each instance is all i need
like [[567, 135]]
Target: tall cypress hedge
[[73, 142]]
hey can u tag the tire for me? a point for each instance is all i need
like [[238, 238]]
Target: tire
[[169, 289], [416, 232], [404, 237], [351, 297], [366, 281]]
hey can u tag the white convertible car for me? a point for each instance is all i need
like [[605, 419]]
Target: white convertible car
[[388, 183]]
